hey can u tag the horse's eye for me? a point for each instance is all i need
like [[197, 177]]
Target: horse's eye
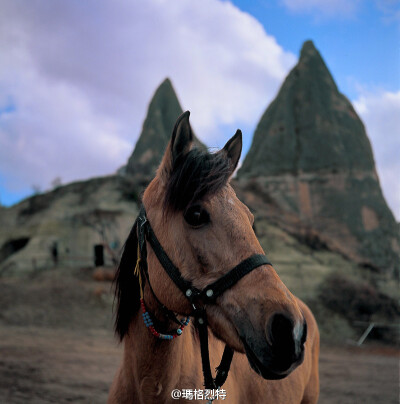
[[196, 216]]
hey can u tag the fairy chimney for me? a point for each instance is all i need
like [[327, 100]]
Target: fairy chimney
[[311, 153], [162, 114]]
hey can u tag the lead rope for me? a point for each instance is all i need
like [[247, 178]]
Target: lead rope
[[226, 360]]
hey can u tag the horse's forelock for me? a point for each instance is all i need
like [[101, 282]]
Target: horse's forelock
[[193, 176]]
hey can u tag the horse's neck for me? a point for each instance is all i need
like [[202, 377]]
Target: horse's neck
[[155, 367]]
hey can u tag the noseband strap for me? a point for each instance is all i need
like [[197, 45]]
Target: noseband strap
[[198, 298]]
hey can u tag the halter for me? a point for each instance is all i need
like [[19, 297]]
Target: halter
[[196, 297]]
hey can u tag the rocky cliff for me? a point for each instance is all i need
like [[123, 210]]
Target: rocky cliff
[[312, 156], [164, 108], [61, 227]]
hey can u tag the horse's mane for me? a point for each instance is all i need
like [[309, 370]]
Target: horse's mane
[[127, 292], [193, 176]]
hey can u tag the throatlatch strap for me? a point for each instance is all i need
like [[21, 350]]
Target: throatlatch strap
[[169, 313], [143, 230]]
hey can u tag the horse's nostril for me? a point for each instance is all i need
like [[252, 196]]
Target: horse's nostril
[[286, 339], [284, 335], [280, 330], [304, 336]]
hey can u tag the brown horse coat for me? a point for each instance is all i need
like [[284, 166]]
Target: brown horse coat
[[206, 231]]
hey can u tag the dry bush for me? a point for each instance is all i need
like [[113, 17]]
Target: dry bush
[[357, 300], [103, 275], [361, 301]]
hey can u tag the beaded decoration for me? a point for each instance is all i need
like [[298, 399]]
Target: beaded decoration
[[146, 316], [149, 324]]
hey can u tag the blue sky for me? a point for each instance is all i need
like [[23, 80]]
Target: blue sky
[[76, 77], [361, 45]]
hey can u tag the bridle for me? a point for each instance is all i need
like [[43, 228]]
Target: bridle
[[198, 299]]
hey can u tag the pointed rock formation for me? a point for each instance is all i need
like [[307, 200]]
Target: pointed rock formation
[[311, 153], [162, 114]]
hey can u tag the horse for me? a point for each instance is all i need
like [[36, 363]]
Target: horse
[[191, 231]]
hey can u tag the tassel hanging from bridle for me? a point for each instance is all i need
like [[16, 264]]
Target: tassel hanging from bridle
[[137, 272]]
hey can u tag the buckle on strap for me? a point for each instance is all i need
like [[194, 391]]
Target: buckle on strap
[[217, 288]]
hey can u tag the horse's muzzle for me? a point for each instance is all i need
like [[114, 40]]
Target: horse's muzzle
[[281, 350]]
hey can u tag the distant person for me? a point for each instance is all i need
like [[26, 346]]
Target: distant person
[[54, 253]]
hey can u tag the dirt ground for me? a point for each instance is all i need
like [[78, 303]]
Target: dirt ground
[[57, 346]]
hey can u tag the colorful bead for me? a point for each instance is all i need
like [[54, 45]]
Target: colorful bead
[[149, 324]]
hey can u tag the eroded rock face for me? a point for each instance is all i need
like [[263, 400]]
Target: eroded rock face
[[74, 218], [311, 153], [163, 111]]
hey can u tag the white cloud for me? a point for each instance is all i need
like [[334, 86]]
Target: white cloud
[[79, 76], [323, 8], [380, 112]]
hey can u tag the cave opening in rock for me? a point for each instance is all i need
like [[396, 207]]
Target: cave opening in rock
[[12, 246]]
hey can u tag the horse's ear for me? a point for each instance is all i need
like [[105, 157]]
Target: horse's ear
[[180, 143], [233, 150], [127, 290], [182, 137]]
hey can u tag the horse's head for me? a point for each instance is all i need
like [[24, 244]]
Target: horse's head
[[206, 231]]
